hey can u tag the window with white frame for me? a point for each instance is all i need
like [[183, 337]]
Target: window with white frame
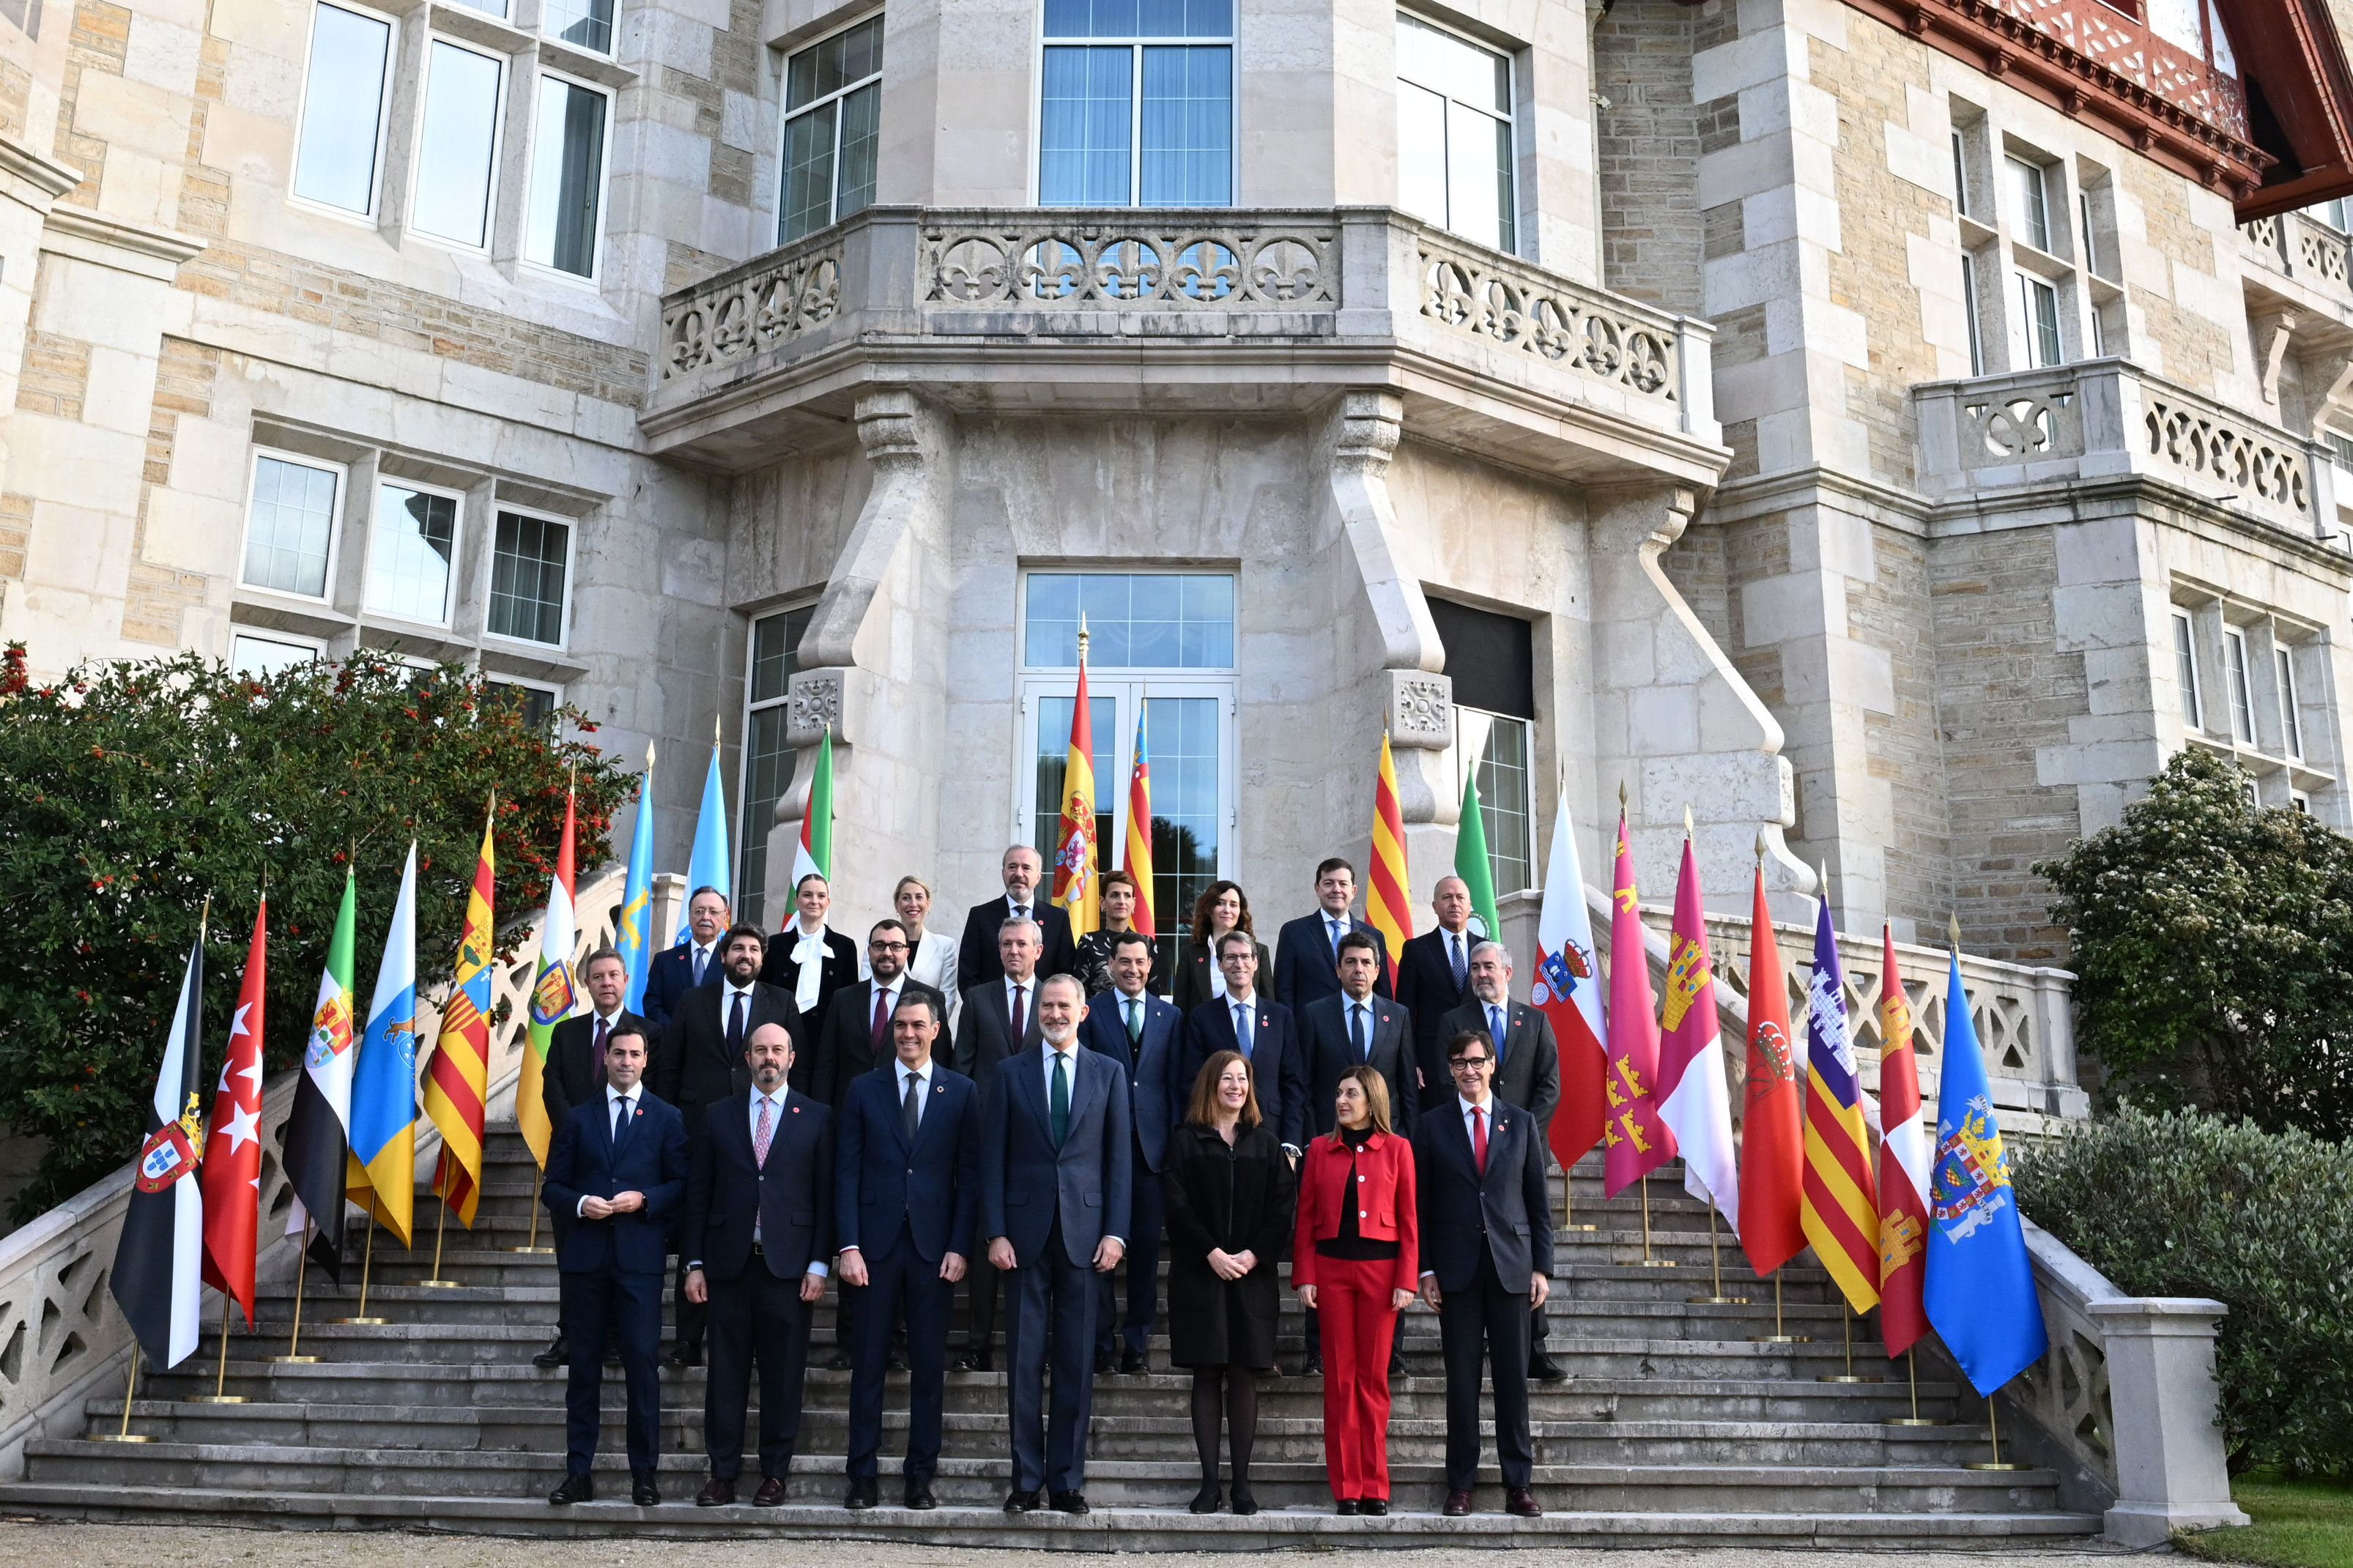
[[2236, 687], [289, 524], [2291, 713], [833, 121], [1491, 657], [768, 758], [535, 704], [250, 654], [2038, 307], [586, 23], [458, 144], [1136, 104], [1961, 202], [530, 562], [567, 176], [2030, 200], [1456, 148], [2185, 670], [410, 549], [340, 148], [1972, 313]]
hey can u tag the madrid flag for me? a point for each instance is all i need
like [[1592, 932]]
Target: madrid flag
[[232, 1169]]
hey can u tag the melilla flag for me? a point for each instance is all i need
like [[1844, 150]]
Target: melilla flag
[[317, 1139], [1387, 904], [158, 1261], [633, 933], [706, 866], [813, 856], [1568, 988], [1470, 865], [1076, 887], [1137, 861], [1837, 1212], [384, 1084], [554, 997], [1980, 1292], [1635, 1139], [457, 1078], [1691, 1096], [1772, 1130], [232, 1169], [1902, 1165]]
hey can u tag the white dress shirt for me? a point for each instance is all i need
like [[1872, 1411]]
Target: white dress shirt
[[613, 1101], [777, 1111], [922, 1078], [728, 992], [1488, 1111]]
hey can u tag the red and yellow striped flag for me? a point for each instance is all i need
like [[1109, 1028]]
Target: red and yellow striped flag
[[1138, 860], [1840, 1208], [1387, 904], [1076, 887], [456, 1081]]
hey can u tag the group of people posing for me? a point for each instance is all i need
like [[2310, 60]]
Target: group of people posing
[[1025, 1112]]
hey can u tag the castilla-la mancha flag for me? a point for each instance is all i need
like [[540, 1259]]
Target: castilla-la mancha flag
[[232, 1169], [1902, 1165], [1635, 1139], [1692, 1100]]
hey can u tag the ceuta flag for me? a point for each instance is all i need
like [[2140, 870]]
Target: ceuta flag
[[456, 1081], [1840, 1210], [159, 1259], [1772, 1138], [1636, 1140], [1568, 988], [232, 1169], [1691, 1096], [1904, 1162]]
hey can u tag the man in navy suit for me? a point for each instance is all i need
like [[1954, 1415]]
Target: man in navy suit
[[1434, 978], [1263, 1031], [1486, 1261], [618, 1168], [1144, 1034], [675, 970], [1307, 953], [1055, 1167], [1000, 1021], [576, 1068], [759, 1228], [906, 1201], [978, 962]]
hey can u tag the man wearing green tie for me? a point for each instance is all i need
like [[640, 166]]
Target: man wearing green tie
[[1145, 1035]]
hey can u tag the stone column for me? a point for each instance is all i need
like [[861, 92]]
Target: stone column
[[2169, 1461]]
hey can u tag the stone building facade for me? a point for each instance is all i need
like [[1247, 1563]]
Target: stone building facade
[[1885, 428]]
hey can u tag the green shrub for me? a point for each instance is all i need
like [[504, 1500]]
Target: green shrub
[[2182, 1203]]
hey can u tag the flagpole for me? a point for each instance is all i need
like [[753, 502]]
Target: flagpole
[[126, 1435], [1911, 1375], [1643, 1182], [530, 1243], [440, 1224], [1993, 1436], [1846, 1323], [220, 1379], [293, 1356], [1716, 1268], [1778, 1337], [367, 1257]]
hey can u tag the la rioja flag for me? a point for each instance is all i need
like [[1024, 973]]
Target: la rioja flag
[[232, 1171], [1568, 988], [159, 1260]]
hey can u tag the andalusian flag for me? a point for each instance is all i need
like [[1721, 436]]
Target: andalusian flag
[[1470, 865], [1839, 1211], [1138, 862], [317, 1139], [383, 1083], [814, 854], [457, 1078], [633, 934], [1076, 887], [1635, 1141], [1389, 907], [553, 997], [1902, 1165]]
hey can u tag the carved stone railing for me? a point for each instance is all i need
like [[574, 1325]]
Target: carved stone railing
[[62, 1339], [1517, 307], [776, 301], [1124, 260], [2299, 246]]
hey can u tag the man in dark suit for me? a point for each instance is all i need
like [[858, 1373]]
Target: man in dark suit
[[1486, 1259], [618, 1169], [1055, 1167], [1528, 1074], [907, 1201], [702, 1062], [809, 962], [1144, 1034], [977, 961], [999, 1020], [575, 1072], [759, 1228], [1307, 953], [1434, 979], [675, 970], [1263, 1031]]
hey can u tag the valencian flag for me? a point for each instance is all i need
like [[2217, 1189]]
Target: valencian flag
[[813, 856], [1635, 1139], [1567, 988], [1076, 887], [1772, 1131], [232, 1169], [317, 1139], [158, 1260], [1902, 1165], [706, 866], [1839, 1212], [384, 1084], [457, 1078], [1692, 1102], [552, 998], [1137, 862], [1387, 907], [1980, 1292], [1470, 865], [633, 933]]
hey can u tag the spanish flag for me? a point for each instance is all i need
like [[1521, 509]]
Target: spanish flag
[[1386, 902], [1076, 887], [456, 1081], [1138, 863], [1840, 1209]]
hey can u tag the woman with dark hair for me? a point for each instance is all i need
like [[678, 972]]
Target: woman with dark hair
[[1228, 1189], [1121, 895], [1220, 908]]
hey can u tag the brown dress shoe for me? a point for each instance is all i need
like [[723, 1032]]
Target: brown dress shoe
[[718, 1494], [1457, 1503], [1522, 1501], [771, 1492]]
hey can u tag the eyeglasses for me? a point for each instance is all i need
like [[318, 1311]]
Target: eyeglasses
[[1470, 1063], [886, 947]]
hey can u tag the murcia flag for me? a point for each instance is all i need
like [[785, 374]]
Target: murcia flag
[[317, 1139], [159, 1259], [1692, 1100], [232, 1172], [1567, 988]]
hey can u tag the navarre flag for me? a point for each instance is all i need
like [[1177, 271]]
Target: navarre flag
[[1692, 1100], [1839, 1211], [316, 1142], [384, 1082], [633, 933], [1566, 987], [813, 856], [1904, 1162], [554, 998], [1980, 1292], [1076, 887], [1772, 1130], [457, 1078], [707, 865], [159, 1259], [232, 1168], [1389, 907], [1635, 1139], [1137, 860], [1470, 865]]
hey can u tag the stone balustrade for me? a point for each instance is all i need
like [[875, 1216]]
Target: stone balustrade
[[2299, 246]]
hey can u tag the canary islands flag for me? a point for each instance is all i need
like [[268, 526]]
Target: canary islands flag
[[384, 1084]]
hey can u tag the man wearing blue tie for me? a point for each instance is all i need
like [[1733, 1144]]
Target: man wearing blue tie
[[1307, 953], [1265, 1033], [675, 970], [1145, 1035]]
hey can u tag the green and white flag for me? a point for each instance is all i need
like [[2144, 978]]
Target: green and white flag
[[815, 852], [1470, 863]]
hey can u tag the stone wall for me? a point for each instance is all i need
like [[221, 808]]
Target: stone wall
[[1651, 138]]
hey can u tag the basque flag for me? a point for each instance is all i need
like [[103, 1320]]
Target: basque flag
[[159, 1260]]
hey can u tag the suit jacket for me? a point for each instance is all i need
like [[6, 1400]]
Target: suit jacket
[[930, 1190], [1324, 1030], [1507, 1210], [581, 1162], [1027, 1182], [1304, 967], [571, 1076], [1155, 1093], [778, 970], [1529, 1073], [695, 1065], [984, 1037], [1426, 988], [1277, 1063], [933, 962], [978, 962], [1195, 977], [792, 1192], [845, 1047], [669, 978]]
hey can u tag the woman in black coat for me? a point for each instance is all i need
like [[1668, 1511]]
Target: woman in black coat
[[1227, 1191]]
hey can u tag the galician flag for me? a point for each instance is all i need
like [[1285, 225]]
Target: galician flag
[[1076, 887], [383, 1081], [1772, 1129], [1388, 902], [232, 1169], [317, 1140], [813, 856], [1137, 862], [633, 935], [1567, 988], [1839, 1210], [1902, 1165], [1470, 865], [707, 866], [159, 1258], [1692, 1100], [457, 1078], [554, 997], [1635, 1139]]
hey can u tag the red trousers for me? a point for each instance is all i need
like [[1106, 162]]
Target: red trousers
[[1352, 1304]]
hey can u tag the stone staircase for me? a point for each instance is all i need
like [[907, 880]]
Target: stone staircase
[[1675, 1427]]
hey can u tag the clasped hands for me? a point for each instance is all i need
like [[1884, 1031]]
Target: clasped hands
[[1108, 1252], [629, 1202]]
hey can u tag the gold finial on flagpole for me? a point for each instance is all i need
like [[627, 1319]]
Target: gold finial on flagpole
[[1083, 637], [1953, 930], [1687, 821], [1760, 849], [1621, 795]]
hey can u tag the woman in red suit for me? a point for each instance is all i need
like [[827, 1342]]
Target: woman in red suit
[[1355, 1261]]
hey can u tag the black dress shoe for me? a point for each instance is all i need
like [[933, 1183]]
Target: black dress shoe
[[558, 1353], [1457, 1503], [717, 1493], [1207, 1499], [1021, 1502], [974, 1360], [1132, 1364], [1106, 1363], [612, 1358], [577, 1488], [895, 1361], [1348, 1508], [863, 1494], [839, 1362], [918, 1496], [1313, 1368], [679, 1358], [1245, 1501], [1374, 1505], [1070, 1503], [1544, 1369], [644, 1493], [771, 1492], [1522, 1501], [1396, 1369]]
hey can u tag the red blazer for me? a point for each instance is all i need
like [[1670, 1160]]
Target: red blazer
[[1384, 1198]]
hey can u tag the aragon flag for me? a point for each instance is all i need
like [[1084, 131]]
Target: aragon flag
[[1902, 1165], [317, 1139], [1839, 1211], [1772, 1135], [159, 1258], [232, 1169], [457, 1078]]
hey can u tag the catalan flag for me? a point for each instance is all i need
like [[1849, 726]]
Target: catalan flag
[[1635, 1139], [1902, 1165], [1138, 861], [1388, 905], [1839, 1212], [457, 1078], [554, 998], [1076, 887]]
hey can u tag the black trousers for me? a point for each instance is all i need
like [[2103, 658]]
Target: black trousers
[[899, 1276], [1486, 1321], [1049, 1318], [605, 1307], [980, 1282], [692, 1316], [755, 1317], [1141, 1265]]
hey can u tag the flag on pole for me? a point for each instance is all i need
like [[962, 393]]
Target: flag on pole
[[1635, 1139], [316, 1143], [1076, 887], [1838, 1209], [384, 1081], [1470, 863], [158, 1261], [707, 866], [231, 1177], [1137, 862], [1980, 1292], [813, 856], [633, 933], [457, 1078], [1389, 905], [1772, 1127], [1692, 1100], [1568, 988], [552, 998], [1903, 1166]]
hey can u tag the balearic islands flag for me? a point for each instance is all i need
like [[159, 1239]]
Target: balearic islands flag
[[1692, 1100], [317, 1139], [1138, 861], [1902, 1165], [1076, 887], [633, 933], [1635, 1141], [1772, 1134], [1388, 906], [158, 1261], [457, 1078], [1839, 1212], [1568, 988], [383, 1085], [554, 998], [232, 1171]]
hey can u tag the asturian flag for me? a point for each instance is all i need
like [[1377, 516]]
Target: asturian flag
[[232, 1169], [554, 998], [1692, 1100], [1904, 1162], [457, 1078], [159, 1259], [316, 1144], [633, 933], [1568, 988], [384, 1084], [1839, 1212], [707, 866]]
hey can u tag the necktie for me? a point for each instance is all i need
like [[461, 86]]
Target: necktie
[[1356, 1032], [1461, 966], [1479, 1137], [1020, 911], [1243, 1028], [910, 1108], [735, 1027], [761, 1135], [700, 956], [1058, 1106], [1495, 1027], [624, 1113], [598, 1078], [1339, 929], [1134, 1020], [1016, 1016], [881, 1018]]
